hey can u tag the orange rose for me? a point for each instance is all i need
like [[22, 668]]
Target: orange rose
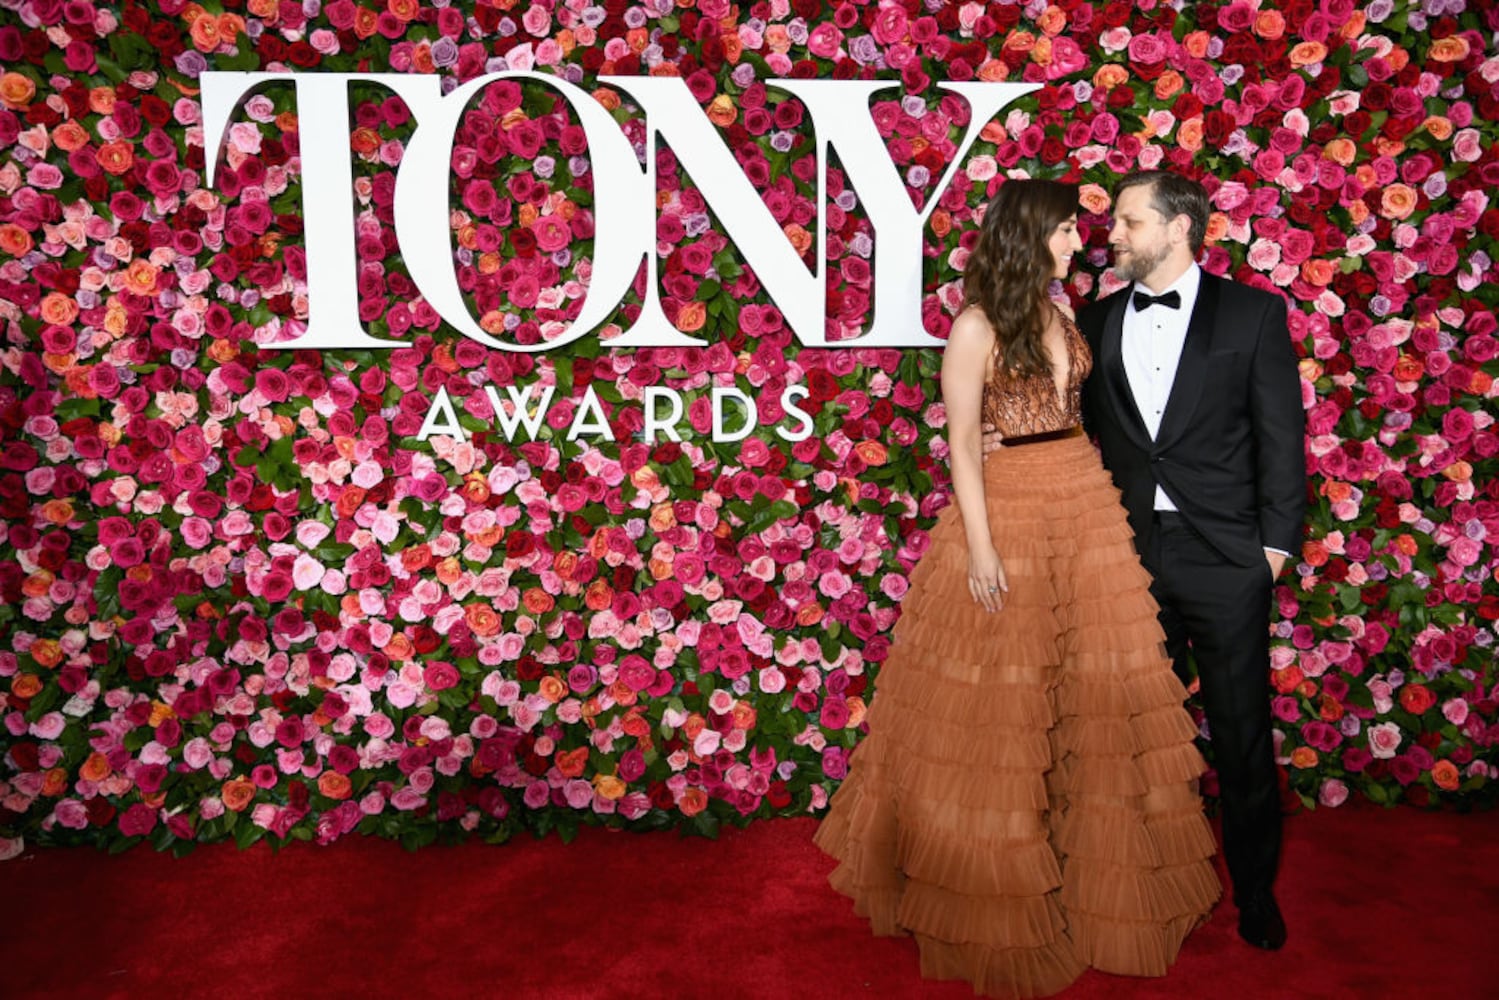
[[692, 316], [1453, 48], [1286, 680], [25, 686], [335, 785], [1308, 54], [205, 32], [416, 557], [809, 614], [635, 725], [1337, 491], [599, 596], [552, 689], [799, 237], [475, 488], [70, 136], [857, 710], [721, 111], [1168, 83], [1269, 24], [96, 768], [55, 783], [1020, 41], [872, 452], [1053, 20], [693, 725], [59, 512], [1189, 133], [14, 241], [37, 585], [116, 157], [140, 277], [1397, 202], [1458, 472], [1318, 272], [237, 794], [1217, 227], [572, 762], [399, 647], [941, 223], [16, 90], [46, 652], [622, 694], [693, 801], [1445, 774], [1196, 44], [733, 48], [1329, 708], [539, 602], [1341, 151], [993, 71], [406, 10], [609, 787], [482, 620], [1303, 757], [1093, 199], [1440, 128], [743, 714], [1408, 368]]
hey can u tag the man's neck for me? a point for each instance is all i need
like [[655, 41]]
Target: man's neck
[[1166, 275]]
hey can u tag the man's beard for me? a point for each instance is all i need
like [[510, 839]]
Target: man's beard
[[1139, 264]]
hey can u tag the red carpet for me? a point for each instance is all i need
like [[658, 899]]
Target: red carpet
[[1379, 903]]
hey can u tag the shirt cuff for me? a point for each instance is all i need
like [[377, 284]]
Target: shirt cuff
[[1281, 552]]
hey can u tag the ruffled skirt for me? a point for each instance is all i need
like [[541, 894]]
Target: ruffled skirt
[[1025, 803]]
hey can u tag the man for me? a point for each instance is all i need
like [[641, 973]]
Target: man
[[1195, 401]]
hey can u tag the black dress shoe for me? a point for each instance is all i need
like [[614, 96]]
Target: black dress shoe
[[1261, 924]]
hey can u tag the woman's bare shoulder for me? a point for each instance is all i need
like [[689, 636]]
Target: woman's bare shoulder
[[971, 331]]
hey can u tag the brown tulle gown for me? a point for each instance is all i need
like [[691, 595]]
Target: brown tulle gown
[[1025, 803]]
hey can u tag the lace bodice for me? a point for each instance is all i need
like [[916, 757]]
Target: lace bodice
[[1021, 406]]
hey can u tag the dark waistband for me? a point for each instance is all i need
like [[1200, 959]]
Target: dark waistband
[[1015, 442]]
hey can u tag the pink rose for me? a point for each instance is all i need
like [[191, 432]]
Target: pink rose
[[825, 40], [138, 820], [1384, 740], [1333, 793]]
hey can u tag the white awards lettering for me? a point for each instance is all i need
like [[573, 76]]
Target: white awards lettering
[[624, 202]]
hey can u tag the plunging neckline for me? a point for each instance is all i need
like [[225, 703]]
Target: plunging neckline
[[1061, 389]]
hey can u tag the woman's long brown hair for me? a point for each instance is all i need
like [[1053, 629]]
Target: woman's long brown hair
[[1011, 268]]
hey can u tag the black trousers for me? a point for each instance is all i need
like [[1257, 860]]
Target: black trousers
[[1221, 611]]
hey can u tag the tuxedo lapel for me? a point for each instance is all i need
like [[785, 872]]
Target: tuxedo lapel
[[1186, 388], [1121, 397]]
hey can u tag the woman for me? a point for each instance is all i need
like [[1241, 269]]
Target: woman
[[1025, 802]]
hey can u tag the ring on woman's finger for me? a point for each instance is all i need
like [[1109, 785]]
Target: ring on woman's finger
[[993, 590]]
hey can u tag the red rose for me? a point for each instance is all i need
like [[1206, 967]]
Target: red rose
[[777, 795], [1416, 699]]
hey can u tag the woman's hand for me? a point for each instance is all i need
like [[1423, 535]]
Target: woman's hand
[[986, 577]]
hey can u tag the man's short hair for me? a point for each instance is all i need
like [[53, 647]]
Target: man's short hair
[[1171, 195]]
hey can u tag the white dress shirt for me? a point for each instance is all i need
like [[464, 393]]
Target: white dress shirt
[[1152, 348]]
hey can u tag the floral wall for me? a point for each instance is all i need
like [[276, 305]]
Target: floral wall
[[239, 598]]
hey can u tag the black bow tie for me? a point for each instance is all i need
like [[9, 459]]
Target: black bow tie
[[1143, 300]]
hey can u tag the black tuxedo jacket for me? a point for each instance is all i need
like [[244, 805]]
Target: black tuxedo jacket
[[1230, 452]]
